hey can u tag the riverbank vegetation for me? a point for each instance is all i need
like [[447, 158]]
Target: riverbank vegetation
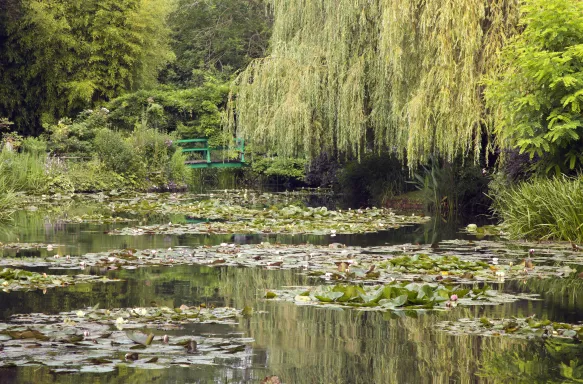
[[352, 97]]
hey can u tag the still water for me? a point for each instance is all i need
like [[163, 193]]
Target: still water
[[299, 344]]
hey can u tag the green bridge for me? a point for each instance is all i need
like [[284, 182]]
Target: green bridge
[[201, 147]]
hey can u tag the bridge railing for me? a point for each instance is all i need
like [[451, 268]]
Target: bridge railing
[[201, 146]]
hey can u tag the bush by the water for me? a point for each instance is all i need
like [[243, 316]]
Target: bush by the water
[[543, 209], [86, 155]]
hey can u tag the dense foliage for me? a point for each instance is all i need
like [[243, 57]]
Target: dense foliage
[[543, 209], [193, 112], [537, 97], [404, 75], [216, 36], [60, 57]]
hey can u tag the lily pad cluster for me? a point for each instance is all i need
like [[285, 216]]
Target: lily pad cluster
[[528, 327], [18, 246], [152, 317], [226, 202], [460, 262], [94, 340], [438, 264], [117, 207], [288, 219], [393, 296], [18, 280]]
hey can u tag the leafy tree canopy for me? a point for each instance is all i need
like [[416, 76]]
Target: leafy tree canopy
[[217, 35], [61, 56], [537, 95], [348, 75]]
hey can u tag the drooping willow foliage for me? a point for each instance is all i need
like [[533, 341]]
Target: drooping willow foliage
[[345, 75]]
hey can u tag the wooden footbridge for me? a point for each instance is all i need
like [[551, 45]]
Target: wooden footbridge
[[200, 148]]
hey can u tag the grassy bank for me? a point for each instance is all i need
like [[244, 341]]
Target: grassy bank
[[543, 209]]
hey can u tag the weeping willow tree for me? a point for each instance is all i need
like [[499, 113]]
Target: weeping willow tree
[[344, 75]]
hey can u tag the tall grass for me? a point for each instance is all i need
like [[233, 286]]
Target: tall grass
[[21, 171], [543, 209], [18, 172]]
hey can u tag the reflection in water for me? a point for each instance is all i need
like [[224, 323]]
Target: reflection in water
[[300, 344], [78, 239]]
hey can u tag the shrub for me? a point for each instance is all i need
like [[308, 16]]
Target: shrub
[[34, 145], [543, 209], [116, 153], [178, 172], [322, 171], [93, 176], [285, 168], [75, 137], [374, 179]]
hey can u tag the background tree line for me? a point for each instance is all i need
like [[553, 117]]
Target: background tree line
[[61, 57]]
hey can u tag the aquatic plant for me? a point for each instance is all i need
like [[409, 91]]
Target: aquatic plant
[[18, 279], [395, 296], [453, 262], [99, 340], [288, 219], [513, 327], [543, 209]]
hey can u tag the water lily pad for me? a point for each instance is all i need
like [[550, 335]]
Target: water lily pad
[[399, 295], [69, 343], [528, 327], [18, 279]]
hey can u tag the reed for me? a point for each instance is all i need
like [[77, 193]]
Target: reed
[[543, 209]]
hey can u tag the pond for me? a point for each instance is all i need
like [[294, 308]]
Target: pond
[[297, 342]]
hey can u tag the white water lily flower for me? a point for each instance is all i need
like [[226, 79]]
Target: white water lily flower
[[80, 313], [120, 320]]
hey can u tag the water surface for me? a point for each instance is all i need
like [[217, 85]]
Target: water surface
[[301, 345]]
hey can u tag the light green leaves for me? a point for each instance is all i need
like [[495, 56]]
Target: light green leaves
[[536, 96], [420, 296]]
